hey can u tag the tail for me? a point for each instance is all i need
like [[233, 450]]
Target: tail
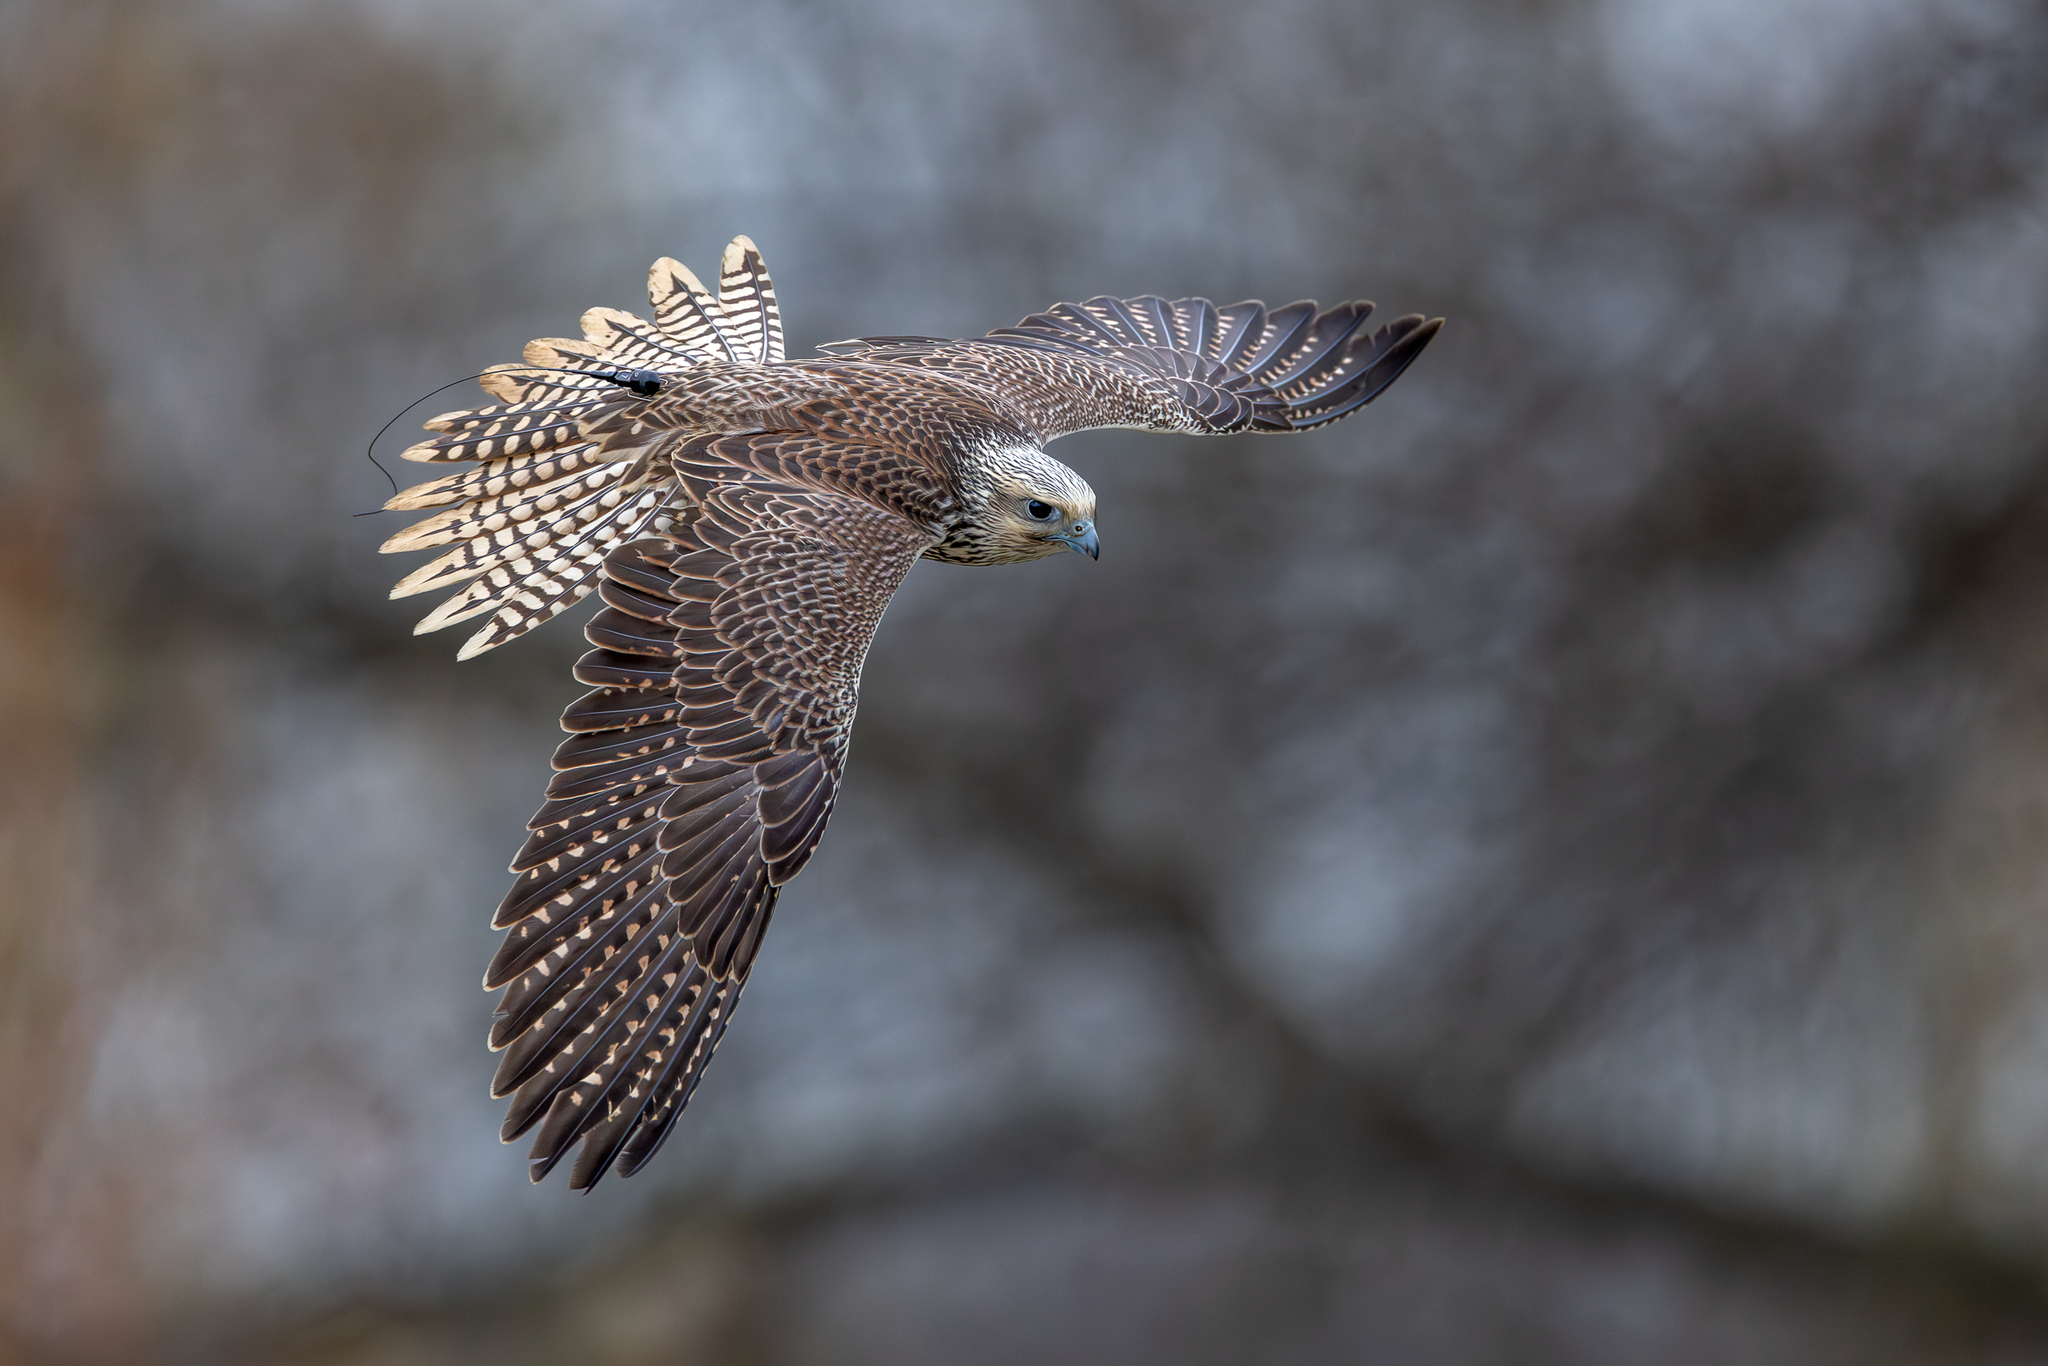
[[528, 529]]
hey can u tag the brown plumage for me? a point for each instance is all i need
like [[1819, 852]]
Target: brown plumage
[[746, 520]]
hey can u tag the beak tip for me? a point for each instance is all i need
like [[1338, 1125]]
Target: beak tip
[[1084, 543]]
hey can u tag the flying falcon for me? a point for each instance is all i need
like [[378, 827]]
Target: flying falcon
[[746, 518]]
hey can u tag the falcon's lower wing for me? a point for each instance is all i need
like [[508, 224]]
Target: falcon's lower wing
[[697, 779]]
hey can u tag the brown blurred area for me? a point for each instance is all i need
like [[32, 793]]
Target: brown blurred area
[[1553, 869]]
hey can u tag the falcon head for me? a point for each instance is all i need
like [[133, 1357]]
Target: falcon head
[[1026, 506]]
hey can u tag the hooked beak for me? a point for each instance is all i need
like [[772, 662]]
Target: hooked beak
[[1081, 540]]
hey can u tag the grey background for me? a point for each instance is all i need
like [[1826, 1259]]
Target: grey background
[[1549, 870]]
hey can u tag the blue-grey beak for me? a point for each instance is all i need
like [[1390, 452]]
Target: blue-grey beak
[[1081, 540]]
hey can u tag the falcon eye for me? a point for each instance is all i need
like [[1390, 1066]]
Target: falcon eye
[[1039, 510]]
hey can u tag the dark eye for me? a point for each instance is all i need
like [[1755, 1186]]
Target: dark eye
[[1039, 510]]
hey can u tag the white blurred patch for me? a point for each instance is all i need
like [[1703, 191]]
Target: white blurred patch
[[1386, 836], [1795, 269], [1985, 287], [1711, 75], [1799, 1088], [1605, 296], [1338, 902], [916, 992], [304, 1058], [1726, 641]]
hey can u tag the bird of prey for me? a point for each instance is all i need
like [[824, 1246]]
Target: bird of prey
[[745, 519]]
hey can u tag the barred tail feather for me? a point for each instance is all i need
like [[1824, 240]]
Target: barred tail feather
[[687, 315], [496, 478], [565, 572], [504, 518], [623, 339], [529, 527], [747, 298], [513, 546], [510, 431]]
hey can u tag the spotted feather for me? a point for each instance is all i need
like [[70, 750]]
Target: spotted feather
[[636, 915]]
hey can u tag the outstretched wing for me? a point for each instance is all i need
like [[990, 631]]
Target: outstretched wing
[[1180, 366], [563, 481], [697, 779]]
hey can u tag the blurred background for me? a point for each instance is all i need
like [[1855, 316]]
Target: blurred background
[[1553, 869]]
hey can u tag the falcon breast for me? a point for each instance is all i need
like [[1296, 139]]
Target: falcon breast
[[745, 519]]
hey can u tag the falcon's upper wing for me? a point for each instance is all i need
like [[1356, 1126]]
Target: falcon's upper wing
[[1180, 366], [697, 780]]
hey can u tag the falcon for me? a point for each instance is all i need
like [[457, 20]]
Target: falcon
[[745, 519]]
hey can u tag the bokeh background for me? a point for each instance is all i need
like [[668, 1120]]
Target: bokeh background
[[1553, 869]]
